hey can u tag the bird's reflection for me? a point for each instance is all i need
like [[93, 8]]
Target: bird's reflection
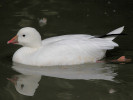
[[25, 84], [28, 81]]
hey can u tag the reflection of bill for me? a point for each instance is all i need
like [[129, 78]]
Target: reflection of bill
[[25, 84]]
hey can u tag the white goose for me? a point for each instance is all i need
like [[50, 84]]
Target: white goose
[[61, 50]]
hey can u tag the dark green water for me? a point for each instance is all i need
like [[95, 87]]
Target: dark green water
[[85, 82]]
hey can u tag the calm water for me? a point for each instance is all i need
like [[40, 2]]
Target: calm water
[[102, 81]]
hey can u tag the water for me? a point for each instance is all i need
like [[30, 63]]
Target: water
[[104, 81]]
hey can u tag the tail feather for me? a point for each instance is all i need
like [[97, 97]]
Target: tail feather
[[117, 31], [113, 34]]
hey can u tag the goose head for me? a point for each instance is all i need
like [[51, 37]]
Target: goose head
[[27, 37]]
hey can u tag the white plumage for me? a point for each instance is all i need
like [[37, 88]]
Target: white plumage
[[61, 50]]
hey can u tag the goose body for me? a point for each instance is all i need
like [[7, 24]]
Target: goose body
[[60, 50]]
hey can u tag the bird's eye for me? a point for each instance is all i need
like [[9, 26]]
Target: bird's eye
[[23, 35]]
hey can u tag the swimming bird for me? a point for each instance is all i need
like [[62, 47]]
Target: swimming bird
[[61, 50]]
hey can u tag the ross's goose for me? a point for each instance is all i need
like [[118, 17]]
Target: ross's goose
[[61, 50]]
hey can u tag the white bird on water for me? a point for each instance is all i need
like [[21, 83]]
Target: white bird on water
[[61, 50]]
